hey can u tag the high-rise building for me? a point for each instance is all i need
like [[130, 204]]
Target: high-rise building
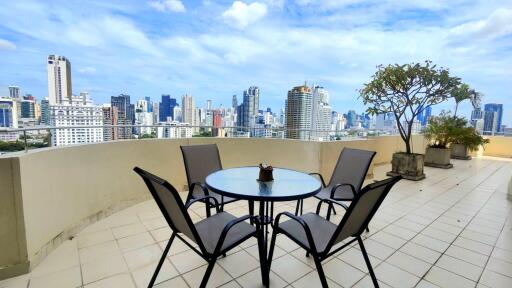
[[188, 110], [234, 102], [351, 118], [14, 92], [248, 110], [8, 113], [142, 106], [208, 105], [150, 104], [298, 112], [28, 109], [45, 112], [125, 114], [156, 112], [79, 112], [167, 108], [177, 113], [59, 79], [321, 114], [426, 116], [493, 116], [110, 117]]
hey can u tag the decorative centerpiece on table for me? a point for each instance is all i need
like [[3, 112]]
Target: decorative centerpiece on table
[[266, 173]]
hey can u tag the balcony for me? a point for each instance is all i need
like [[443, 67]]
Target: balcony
[[78, 217]]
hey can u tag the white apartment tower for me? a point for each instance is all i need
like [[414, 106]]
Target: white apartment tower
[[321, 114], [298, 113], [188, 108], [59, 79], [82, 118]]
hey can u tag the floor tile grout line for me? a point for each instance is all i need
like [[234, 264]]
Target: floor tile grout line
[[441, 254]]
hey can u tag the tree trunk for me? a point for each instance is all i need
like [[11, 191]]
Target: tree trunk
[[456, 108]]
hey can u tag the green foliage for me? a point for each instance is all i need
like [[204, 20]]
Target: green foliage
[[464, 92], [405, 91], [469, 137], [19, 146], [441, 129], [203, 134], [147, 136], [445, 129]]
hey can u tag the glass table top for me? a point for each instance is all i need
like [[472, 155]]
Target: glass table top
[[242, 183]]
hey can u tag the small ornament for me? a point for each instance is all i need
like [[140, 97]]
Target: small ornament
[[266, 173]]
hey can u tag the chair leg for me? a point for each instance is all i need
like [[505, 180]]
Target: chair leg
[[297, 207], [251, 211], [321, 273], [208, 272], [368, 264], [271, 252], [329, 211], [161, 262], [301, 206], [207, 204]]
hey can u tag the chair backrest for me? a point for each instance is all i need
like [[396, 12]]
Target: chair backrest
[[351, 168], [200, 161], [362, 209], [170, 203]]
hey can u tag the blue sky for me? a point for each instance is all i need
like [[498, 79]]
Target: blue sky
[[214, 49]]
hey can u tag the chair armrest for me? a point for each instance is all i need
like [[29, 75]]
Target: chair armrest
[[321, 178], [329, 201], [202, 199], [333, 191], [302, 223], [226, 229], [193, 186]]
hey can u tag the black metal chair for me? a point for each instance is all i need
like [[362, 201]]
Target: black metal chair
[[346, 180], [214, 235], [200, 161], [318, 235]]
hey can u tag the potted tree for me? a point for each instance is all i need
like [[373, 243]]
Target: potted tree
[[439, 133], [405, 91], [465, 140]]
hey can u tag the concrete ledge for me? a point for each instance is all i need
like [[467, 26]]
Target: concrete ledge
[[14, 270]]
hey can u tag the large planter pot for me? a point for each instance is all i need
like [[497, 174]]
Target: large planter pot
[[409, 166], [460, 151], [438, 157]]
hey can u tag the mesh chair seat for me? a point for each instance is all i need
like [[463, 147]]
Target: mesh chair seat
[[321, 230], [209, 231], [342, 193]]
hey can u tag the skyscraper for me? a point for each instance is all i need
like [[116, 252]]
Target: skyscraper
[[125, 114], [8, 113], [248, 112], [59, 79], [208, 105], [426, 116], [188, 108], [234, 102], [321, 114], [351, 118], [150, 104], [45, 112], [28, 109], [167, 108], [14, 92], [110, 117], [493, 114], [298, 112]]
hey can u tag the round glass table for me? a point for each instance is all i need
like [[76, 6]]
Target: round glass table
[[242, 183]]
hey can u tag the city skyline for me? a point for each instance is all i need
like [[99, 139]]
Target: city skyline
[[149, 48]]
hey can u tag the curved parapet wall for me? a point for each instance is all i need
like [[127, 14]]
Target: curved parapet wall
[[48, 195]]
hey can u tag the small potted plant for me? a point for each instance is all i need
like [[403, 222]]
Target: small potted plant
[[405, 91], [464, 141], [439, 133]]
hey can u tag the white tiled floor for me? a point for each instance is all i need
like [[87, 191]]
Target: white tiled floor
[[453, 229]]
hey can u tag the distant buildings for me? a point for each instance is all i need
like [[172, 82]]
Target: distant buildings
[[8, 113], [424, 116], [59, 79], [298, 112], [126, 114], [247, 112], [321, 114], [167, 108], [493, 116], [188, 110], [110, 117], [14, 92], [77, 113]]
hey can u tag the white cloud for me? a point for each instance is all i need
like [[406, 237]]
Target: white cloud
[[168, 5], [240, 15], [87, 70], [498, 24], [7, 45]]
